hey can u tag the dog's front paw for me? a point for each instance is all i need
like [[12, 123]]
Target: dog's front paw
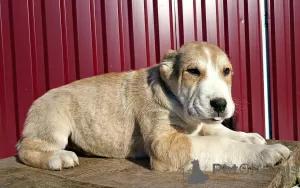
[[251, 138], [274, 154], [262, 156]]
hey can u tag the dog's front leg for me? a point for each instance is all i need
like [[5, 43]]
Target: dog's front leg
[[217, 150], [175, 151], [220, 130]]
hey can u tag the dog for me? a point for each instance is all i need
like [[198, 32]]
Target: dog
[[171, 112]]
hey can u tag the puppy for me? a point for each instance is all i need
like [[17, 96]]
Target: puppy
[[171, 112]]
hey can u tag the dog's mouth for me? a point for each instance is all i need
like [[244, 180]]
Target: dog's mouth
[[216, 119], [213, 120], [212, 117]]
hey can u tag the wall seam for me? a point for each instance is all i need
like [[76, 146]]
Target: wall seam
[[266, 74]]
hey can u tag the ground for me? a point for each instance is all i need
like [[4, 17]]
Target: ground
[[104, 172]]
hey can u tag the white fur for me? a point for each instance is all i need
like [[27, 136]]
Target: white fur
[[196, 131], [220, 130], [63, 159], [213, 87], [220, 145], [210, 150]]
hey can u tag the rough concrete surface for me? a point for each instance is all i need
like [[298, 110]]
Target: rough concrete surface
[[104, 172]]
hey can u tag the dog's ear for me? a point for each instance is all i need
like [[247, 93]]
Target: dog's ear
[[170, 54], [167, 65], [166, 69]]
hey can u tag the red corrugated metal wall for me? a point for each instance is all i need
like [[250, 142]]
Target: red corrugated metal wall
[[235, 27], [48, 43], [284, 36]]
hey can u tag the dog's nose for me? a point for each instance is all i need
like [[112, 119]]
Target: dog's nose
[[219, 104]]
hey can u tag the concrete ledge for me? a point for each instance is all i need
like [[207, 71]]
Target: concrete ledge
[[103, 172]]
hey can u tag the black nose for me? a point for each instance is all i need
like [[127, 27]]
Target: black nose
[[219, 104]]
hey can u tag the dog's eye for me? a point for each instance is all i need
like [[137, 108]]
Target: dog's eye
[[226, 71], [194, 71]]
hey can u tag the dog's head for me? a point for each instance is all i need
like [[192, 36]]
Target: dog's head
[[199, 74]]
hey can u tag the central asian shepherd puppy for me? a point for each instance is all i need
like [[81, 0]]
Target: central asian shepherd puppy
[[171, 112]]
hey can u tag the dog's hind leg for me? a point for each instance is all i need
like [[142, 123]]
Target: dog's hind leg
[[42, 154], [44, 139]]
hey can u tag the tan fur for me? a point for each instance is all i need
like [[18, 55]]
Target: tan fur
[[121, 115], [104, 115], [170, 152]]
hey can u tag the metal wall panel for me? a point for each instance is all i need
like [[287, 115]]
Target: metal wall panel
[[284, 36], [45, 44], [235, 27]]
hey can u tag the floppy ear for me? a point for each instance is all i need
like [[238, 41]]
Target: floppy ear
[[170, 54], [166, 69], [167, 65]]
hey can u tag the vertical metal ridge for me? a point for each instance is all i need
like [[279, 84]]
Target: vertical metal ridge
[[121, 34], [147, 33], [218, 22], [33, 48], [180, 22], [226, 25], [289, 72], [172, 36], [242, 65], [156, 30], [248, 77], [99, 37], [125, 35], [64, 41], [204, 26], [195, 20], [260, 70], [13, 58], [293, 67], [3, 110], [43, 8], [287, 49], [257, 87], [94, 37], [104, 39], [296, 48], [131, 36], [198, 18], [273, 68], [176, 23], [151, 32], [76, 45]]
